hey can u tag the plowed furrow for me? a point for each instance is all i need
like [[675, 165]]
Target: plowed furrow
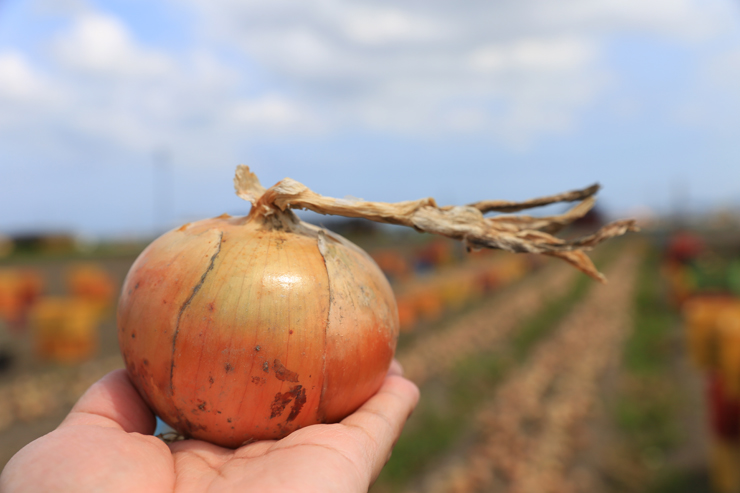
[[527, 436], [486, 327]]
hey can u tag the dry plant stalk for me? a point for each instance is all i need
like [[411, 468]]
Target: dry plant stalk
[[513, 233]]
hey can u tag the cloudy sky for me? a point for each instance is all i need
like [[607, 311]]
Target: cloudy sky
[[119, 117]]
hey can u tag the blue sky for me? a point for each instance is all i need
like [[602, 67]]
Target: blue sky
[[384, 100]]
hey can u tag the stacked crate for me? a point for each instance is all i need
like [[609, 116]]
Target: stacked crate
[[713, 334], [449, 288], [19, 290], [66, 327]]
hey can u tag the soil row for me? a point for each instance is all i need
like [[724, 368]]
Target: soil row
[[435, 353], [528, 435]]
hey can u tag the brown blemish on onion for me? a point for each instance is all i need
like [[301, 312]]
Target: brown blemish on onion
[[283, 399], [300, 400], [283, 374]]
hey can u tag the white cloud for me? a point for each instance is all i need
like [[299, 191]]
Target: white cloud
[[514, 70], [688, 20], [425, 66], [18, 80], [27, 96], [378, 26], [534, 54], [104, 87], [102, 44], [272, 111]]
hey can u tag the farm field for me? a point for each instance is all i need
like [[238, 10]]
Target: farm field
[[533, 377]]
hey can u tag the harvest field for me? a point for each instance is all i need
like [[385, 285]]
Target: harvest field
[[533, 377]]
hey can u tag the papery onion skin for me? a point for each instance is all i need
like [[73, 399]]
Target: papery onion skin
[[242, 329]]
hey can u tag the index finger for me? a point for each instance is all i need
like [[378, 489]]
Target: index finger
[[113, 402], [382, 417]]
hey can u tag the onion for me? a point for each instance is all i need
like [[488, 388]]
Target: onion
[[236, 329]]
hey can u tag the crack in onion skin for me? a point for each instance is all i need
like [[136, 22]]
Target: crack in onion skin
[[241, 329]]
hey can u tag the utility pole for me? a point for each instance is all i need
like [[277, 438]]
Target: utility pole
[[162, 189]]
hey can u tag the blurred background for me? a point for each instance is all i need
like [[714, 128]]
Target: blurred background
[[122, 119]]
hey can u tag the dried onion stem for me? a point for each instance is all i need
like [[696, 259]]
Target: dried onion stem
[[521, 234]]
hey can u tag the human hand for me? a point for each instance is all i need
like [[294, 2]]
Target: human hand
[[106, 444]]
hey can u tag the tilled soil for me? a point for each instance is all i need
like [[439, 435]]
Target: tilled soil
[[483, 329], [527, 436]]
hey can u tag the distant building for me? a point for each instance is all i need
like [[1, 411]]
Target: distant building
[[43, 243], [6, 246]]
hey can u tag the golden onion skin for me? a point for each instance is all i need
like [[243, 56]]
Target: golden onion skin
[[238, 329]]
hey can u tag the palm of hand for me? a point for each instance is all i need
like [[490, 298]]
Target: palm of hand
[[105, 444]]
